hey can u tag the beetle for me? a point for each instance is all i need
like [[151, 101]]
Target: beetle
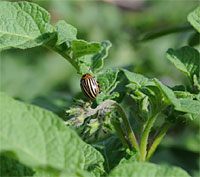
[[90, 86]]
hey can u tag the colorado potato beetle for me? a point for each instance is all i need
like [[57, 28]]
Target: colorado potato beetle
[[89, 86]]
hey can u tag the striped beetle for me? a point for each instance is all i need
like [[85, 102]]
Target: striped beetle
[[89, 86]]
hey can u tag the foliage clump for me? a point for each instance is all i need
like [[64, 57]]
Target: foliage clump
[[47, 145]]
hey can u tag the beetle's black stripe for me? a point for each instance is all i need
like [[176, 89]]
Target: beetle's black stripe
[[84, 88], [89, 87], [95, 86]]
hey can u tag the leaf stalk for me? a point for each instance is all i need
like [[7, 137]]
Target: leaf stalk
[[144, 138], [157, 139]]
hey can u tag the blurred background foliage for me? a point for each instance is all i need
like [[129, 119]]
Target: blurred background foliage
[[44, 78]]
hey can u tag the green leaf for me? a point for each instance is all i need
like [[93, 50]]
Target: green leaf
[[132, 157], [23, 25], [189, 106], [11, 167], [45, 173], [81, 48], [184, 94], [167, 93], [92, 156], [154, 93], [190, 116], [75, 172], [112, 151], [97, 60], [107, 80], [96, 171], [147, 170], [65, 32], [186, 60], [39, 139], [103, 96], [137, 79], [196, 81], [69, 172], [194, 18], [155, 97]]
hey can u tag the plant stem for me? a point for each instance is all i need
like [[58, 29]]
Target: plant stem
[[121, 135], [144, 138], [130, 132], [156, 141]]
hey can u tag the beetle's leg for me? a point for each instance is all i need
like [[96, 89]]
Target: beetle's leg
[[90, 101]]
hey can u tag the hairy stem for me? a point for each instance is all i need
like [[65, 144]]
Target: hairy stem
[[157, 139], [121, 135], [129, 130], [127, 125], [144, 138]]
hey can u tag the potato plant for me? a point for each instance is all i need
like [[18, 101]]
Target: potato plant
[[37, 142]]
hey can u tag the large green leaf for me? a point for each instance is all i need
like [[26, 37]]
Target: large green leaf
[[23, 25], [69, 172], [44, 173], [186, 60], [74, 173], [147, 170], [194, 18], [39, 139]]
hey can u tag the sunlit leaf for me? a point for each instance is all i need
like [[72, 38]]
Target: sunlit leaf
[[39, 139], [98, 59], [65, 32], [190, 106], [186, 60], [194, 18], [81, 48], [167, 93], [147, 170], [23, 25]]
